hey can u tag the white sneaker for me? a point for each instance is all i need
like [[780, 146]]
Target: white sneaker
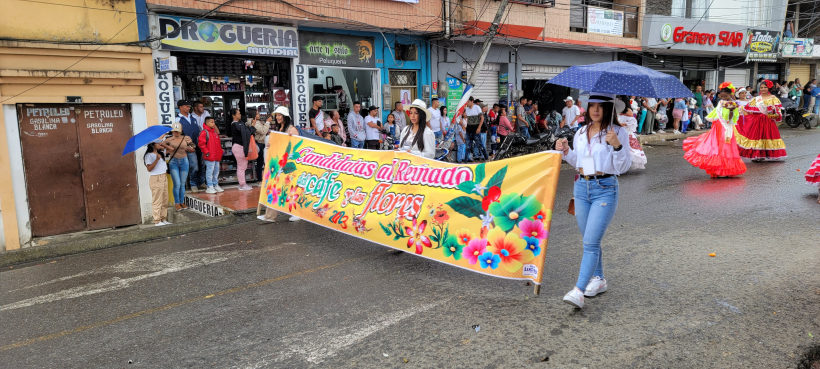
[[166, 222], [596, 285], [575, 297], [210, 190], [294, 219], [660, 131], [218, 189], [159, 224], [245, 188], [260, 217], [676, 132]]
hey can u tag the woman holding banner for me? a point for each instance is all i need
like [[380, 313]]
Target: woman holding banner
[[599, 156], [283, 121], [416, 138]]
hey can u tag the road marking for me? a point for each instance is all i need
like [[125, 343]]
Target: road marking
[[157, 265], [173, 305], [315, 348]]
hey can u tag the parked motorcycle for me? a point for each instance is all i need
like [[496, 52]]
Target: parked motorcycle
[[793, 114]]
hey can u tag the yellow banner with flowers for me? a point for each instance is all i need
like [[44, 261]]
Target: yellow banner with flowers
[[491, 218]]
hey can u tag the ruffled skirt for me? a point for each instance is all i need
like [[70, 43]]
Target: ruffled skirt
[[638, 156], [813, 174], [759, 138], [713, 153]]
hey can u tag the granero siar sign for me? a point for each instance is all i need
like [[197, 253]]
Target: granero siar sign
[[731, 39]]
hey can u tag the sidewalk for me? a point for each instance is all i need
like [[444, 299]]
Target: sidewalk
[[207, 211]]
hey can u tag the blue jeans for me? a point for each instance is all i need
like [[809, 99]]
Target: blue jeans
[[484, 140], [806, 101], [212, 173], [439, 136], [699, 112], [179, 171], [193, 170], [473, 141], [684, 126], [356, 144], [816, 104], [524, 131], [595, 203], [462, 151]]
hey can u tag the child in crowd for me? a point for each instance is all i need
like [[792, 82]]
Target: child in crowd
[[326, 135], [211, 147], [334, 134], [460, 139]]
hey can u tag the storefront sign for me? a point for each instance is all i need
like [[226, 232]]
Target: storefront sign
[[762, 45], [491, 218], [454, 92], [798, 47], [605, 21], [301, 95], [726, 38], [227, 38], [165, 102], [334, 50], [203, 207]]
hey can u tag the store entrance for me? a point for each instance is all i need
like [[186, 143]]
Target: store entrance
[[548, 96]]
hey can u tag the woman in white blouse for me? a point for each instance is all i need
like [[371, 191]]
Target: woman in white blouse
[[599, 156], [416, 137]]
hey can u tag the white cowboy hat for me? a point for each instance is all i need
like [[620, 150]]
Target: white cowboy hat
[[282, 110], [737, 94], [601, 97], [417, 103]]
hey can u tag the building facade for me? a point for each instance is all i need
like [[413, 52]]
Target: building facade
[[73, 89]]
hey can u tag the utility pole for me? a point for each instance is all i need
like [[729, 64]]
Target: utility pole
[[488, 41]]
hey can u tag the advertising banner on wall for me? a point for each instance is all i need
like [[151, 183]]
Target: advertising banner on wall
[[205, 35], [333, 50], [605, 21], [454, 92], [491, 218], [797, 47], [762, 45]]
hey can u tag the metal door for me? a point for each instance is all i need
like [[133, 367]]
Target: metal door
[[51, 158], [109, 179]]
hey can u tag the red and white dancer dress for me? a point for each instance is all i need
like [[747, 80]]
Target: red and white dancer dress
[[757, 134], [638, 156], [716, 151], [813, 174]]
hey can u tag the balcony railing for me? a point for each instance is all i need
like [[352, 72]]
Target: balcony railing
[[541, 3], [578, 15]]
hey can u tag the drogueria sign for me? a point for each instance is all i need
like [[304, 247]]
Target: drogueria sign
[[228, 38]]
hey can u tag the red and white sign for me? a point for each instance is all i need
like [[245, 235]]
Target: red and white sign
[[730, 39]]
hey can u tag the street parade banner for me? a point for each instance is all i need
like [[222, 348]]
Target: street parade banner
[[491, 218]]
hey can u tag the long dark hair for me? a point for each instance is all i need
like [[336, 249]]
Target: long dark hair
[[232, 112], [606, 120], [419, 139], [285, 123]]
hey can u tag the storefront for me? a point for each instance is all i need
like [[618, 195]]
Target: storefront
[[225, 65], [798, 51], [344, 67], [762, 48]]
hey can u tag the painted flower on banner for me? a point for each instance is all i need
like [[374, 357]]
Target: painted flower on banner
[[510, 248], [464, 236], [545, 215], [533, 244], [273, 194], [452, 248], [533, 228], [283, 198], [417, 238], [489, 260], [441, 217], [293, 195], [474, 249], [512, 209]]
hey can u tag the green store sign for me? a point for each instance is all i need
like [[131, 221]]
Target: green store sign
[[327, 49]]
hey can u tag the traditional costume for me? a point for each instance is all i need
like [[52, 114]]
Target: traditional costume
[[716, 151], [638, 156], [758, 136], [813, 174]]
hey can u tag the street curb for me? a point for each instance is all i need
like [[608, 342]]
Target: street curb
[[117, 238]]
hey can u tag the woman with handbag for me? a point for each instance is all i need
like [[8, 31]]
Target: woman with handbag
[[180, 146], [262, 129], [158, 181], [599, 155], [244, 147]]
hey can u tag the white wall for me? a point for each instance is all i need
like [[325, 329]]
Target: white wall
[[18, 176], [139, 122]]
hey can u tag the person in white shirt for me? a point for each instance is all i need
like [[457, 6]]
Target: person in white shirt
[[372, 127], [571, 114], [356, 127], [158, 181], [435, 120], [199, 114], [600, 156], [416, 138]]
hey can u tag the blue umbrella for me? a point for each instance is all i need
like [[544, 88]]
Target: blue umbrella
[[143, 138], [622, 78]]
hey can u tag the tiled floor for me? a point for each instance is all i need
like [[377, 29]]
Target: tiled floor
[[232, 198]]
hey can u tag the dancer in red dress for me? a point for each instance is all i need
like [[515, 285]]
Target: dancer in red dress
[[716, 151], [813, 175], [757, 135]]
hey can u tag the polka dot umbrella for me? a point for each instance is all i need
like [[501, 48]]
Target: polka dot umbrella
[[622, 78]]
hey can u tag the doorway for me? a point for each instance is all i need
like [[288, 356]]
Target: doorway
[[76, 176], [403, 86]]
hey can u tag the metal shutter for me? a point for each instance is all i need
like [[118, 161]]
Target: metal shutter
[[738, 77], [545, 72], [802, 71], [486, 86]]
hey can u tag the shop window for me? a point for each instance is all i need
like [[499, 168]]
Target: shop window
[[403, 78], [406, 52]]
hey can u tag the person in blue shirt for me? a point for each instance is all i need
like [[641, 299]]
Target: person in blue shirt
[[815, 93]]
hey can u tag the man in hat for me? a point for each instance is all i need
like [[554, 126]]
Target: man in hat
[[192, 130], [317, 116], [372, 127]]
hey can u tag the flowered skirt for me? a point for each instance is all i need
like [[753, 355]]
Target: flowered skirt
[[759, 138], [712, 152], [638, 156], [813, 174]]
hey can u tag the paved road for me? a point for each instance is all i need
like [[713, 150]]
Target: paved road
[[295, 295]]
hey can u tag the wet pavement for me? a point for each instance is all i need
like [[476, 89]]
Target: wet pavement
[[292, 295]]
